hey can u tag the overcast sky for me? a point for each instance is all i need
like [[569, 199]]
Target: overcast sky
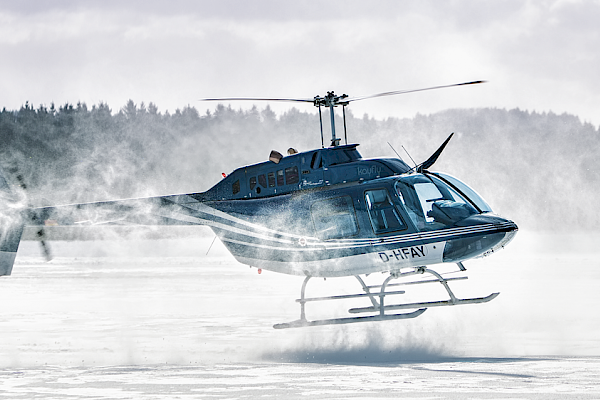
[[536, 55]]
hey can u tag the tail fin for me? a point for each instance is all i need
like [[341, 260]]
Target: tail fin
[[11, 226]]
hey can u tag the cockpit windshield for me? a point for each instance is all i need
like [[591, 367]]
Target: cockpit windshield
[[431, 203], [475, 198]]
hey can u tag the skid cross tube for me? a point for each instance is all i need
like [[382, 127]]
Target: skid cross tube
[[397, 275], [367, 291], [303, 300], [346, 296], [458, 278]]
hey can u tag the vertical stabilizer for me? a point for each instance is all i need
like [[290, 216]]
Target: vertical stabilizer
[[11, 226]]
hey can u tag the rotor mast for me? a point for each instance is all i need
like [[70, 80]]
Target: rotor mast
[[331, 101]]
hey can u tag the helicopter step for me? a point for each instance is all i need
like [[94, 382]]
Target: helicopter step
[[377, 299]]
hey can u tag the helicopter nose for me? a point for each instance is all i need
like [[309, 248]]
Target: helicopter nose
[[506, 227], [482, 234]]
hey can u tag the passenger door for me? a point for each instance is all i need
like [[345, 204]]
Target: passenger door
[[384, 216]]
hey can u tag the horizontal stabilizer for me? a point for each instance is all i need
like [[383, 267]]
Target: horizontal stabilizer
[[7, 260]]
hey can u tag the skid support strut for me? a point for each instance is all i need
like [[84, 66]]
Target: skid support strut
[[377, 295]]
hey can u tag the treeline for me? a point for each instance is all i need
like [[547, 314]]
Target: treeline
[[541, 169]]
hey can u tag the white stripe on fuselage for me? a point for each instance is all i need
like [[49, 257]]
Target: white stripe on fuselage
[[269, 241], [349, 244], [220, 214], [389, 260]]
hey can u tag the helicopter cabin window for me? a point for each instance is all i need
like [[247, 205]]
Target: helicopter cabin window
[[291, 175], [252, 183], [384, 216], [280, 181], [334, 218], [262, 180], [316, 161], [271, 179], [235, 188]]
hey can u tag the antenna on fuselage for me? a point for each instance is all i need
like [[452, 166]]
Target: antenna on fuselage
[[409, 156], [395, 151]]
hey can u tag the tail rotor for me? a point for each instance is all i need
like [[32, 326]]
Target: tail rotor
[[34, 217]]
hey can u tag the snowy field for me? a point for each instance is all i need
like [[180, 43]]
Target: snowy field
[[155, 319]]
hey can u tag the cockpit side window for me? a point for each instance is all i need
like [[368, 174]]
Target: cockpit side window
[[432, 204], [427, 193], [384, 216]]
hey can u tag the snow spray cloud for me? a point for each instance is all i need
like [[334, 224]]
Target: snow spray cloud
[[365, 343]]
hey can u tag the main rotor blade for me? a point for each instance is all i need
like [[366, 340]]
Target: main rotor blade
[[336, 100], [409, 91], [431, 160], [257, 99]]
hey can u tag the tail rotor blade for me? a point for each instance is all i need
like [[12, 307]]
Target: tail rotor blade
[[45, 247]]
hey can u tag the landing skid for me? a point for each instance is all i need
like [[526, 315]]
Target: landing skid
[[299, 323], [378, 306]]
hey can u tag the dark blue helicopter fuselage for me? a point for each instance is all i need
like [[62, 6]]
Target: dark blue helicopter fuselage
[[328, 212]]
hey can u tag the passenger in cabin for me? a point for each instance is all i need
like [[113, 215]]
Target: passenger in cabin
[[291, 151], [275, 156]]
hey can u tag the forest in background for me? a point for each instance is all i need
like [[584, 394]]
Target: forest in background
[[540, 169]]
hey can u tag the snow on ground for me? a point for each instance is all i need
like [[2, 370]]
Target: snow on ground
[[160, 319]]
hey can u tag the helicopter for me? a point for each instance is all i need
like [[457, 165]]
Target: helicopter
[[321, 213]]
